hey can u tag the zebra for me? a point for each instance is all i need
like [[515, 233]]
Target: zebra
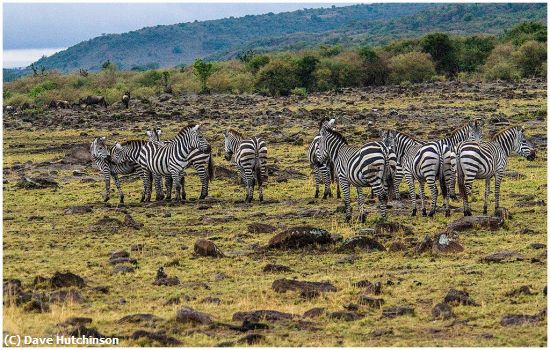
[[367, 166], [250, 157], [202, 162], [322, 172], [484, 160], [101, 155], [170, 159]]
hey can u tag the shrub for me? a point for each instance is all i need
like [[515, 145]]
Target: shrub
[[529, 58], [443, 52], [278, 77], [144, 93], [40, 88], [499, 64], [202, 70], [149, 78], [375, 70], [304, 71], [474, 51], [257, 62], [525, 31], [17, 99], [414, 67], [299, 91]]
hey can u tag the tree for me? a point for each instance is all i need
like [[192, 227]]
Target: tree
[[474, 51], [414, 67], [443, 52], [278, 77], [257, 62], [305, 68], [375, 70], [529, 58], [202, 70], [525, 31]]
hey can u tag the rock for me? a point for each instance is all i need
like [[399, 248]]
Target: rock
[[81, 331], [361, 242], [346, 315], [36, 183], [315, 312], [101, 289], [424, 246], [516, 320], [251, 339], [119, 254], [261, 228], [276, 268], [350, 259], [75, 321], [78, 209], [382, 228], [445, 244], [188, 315], [504, 256], [123, 269], [162, 279], [299, 237], [370, 301], [130, 222], [395, 311], [471, 222], [217, 220], [306, 289], [139, 318], [164, 97], [66, 296], [459, 297], [258, 315], [503, 213], [442, 311], [159, 337], [36, 305], [537, 245], [116, 261], [397, 246], [523, 290], [138, 247], [205, 247], [68, 279], [211, 300], [249, 326], [305, 213], [381, 332]]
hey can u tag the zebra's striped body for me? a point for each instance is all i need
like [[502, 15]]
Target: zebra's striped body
[[323, 172], [203, 164], [250, 157], [484, 160], [367, 166], [160, 159], [102, 158]]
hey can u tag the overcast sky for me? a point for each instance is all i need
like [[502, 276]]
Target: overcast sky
[[38, 26]]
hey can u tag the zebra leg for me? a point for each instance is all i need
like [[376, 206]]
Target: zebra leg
[[183, 194], [487, 187], [176, 180], [382, 199], [326, 177], [361, 201], [117, 183], [168, 182], [316, 173], [498, 179], [107, 187], [337, 188], [146, 176], [433, 189], [345, 188], [158, 187], [422, 197], [203, 175], [412, 193], [467, 191], [398, 177]]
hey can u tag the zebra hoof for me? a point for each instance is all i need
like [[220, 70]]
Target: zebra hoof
[[326, 195], [202, 196], [447, 213], [362, 218], [261, 198], [467, 212], [431, 213], [338, 196], [453, 197], [424, 212], [159, 198], [413, 212], [484, 211], [317, 194]]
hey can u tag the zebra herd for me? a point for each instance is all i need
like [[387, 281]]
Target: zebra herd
[[381, 165]]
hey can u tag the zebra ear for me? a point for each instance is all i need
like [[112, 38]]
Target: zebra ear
[[118, 146], [522, 128], [159, 131], [196, 127], [148, 132], [102, 138], [331, 122]]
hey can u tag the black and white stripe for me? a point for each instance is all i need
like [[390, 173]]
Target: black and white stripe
[[323, 172], [101, 155], [484, 160], [250, 157], [367, 166]]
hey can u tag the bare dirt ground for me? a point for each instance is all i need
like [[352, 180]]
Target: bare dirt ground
[[205, 272]]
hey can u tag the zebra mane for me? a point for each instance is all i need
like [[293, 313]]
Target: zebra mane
[[128, 142], [186, 128], [235, 132], [505, 131], [460, 128], [337, 135], [404, 134]]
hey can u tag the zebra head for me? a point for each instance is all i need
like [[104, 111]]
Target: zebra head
[[327, 124], [474, 129], [522, 146], [98, 149], [118, 155], [232, 140], [154, 134], [388, 138], [197, 141]]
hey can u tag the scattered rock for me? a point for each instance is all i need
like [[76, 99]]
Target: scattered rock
[[36, 305], [249, 326], [396, 311], [459, 297], [306, 289], [78, 209], [119, 254], [299, 237], [504, 256], [523, 290], [370, 301], [123, 269], [346, 315], [36, 183], [139, 318], [205, 247], [130, 222], [116, 261], [251, 339], [424, 246], [442, 311], [81, 331], [445, 244], [381, 332], [75, 321], [276, 268], [350, 259], [188, 315], [68, 279], [470, 222], [159, 337], [315, 312], [66, 296], [361, 242], [258, 315], [162, 279], [211, 300], [537, 245], [101, 289], [261, 228], [397, 246], [516, 320]]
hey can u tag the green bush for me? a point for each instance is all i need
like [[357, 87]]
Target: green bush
[[299, 91], [257, 62], [473, 52], [150, 78], [529, 58], [443, 52], [499, 64], [278, 77], [526, 31], [413, 67], [17, 99], [40, 88]]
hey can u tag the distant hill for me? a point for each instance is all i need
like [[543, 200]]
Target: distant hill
[[171, 45]]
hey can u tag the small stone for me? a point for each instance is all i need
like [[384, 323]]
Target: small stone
[[442, 311]]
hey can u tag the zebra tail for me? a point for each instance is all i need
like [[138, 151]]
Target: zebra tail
[[442, 183], [460, 177], [210, 168], [331, 169]]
